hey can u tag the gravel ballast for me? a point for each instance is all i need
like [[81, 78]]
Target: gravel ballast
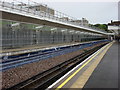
[[16, 75]]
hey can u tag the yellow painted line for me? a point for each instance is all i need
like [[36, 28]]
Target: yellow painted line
[[80, 82], [69, 78]]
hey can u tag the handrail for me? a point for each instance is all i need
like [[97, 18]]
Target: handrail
[[57, 16]]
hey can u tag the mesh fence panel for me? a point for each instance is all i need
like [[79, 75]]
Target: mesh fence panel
[[17, 34]]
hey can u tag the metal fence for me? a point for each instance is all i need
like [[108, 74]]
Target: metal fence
[[17, 34], [24, 8]]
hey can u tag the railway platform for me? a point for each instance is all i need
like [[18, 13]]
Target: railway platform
[[98, 71]]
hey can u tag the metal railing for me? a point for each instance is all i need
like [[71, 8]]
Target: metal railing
[[24, 8]]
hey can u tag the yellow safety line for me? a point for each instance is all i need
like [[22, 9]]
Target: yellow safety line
[[69, 78], [87, 73]]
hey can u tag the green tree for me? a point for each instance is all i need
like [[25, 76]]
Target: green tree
[[102, 26]]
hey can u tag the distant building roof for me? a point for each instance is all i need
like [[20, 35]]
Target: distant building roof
[[116, 23], [114, 26]]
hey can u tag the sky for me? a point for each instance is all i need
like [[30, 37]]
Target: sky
[[95, 11]]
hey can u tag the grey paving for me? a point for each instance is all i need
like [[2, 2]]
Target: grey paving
[[106, 73]]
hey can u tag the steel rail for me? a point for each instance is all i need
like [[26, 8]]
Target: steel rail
[[16, 62], [44, 79]]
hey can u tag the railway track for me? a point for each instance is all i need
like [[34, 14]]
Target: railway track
[[46, 78], [16, 61]]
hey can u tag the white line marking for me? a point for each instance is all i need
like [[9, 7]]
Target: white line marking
[[73, 69]]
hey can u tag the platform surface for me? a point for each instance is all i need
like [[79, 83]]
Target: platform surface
[[106, 73], [99, 71]]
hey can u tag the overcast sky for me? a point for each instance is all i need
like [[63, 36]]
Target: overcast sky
[[102, 11], [95, 12]]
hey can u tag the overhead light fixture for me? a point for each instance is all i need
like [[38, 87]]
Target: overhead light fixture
[[15, 24], [63, 30], [53, 29], [38, 27], [77, 32], [71, 31]]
